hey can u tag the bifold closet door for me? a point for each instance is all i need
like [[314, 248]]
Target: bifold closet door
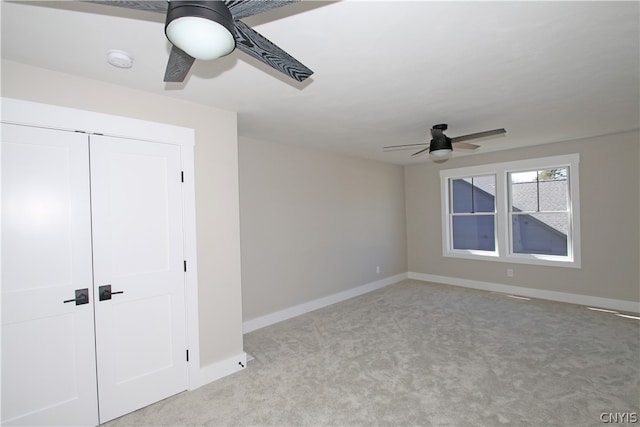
[[136, 193], [48, 342]]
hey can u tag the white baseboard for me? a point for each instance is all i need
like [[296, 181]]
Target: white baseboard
[[297, 310], [288, 313], [220, 369], [586, 300]]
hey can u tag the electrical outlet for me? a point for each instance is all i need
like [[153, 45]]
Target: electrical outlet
[[510, 272], [377, 269]]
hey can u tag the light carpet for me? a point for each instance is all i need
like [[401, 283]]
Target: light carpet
[[418, 353]]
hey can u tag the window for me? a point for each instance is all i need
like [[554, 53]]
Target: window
[[473, 213], [524, 211], [539, 211]]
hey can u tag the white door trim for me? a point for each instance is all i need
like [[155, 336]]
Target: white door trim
[[55, 117]]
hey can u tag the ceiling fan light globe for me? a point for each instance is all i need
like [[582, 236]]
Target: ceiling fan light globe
[[200, 37], [442, 154]]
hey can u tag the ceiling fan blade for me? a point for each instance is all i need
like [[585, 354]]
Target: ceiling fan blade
[[419, 152], [178, 66], [242, 8], [478, 135], [148, 6], [254, 44], [403, 147], [465, 146]]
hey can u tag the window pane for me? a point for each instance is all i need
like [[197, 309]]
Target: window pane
[[540, 233], [539, 191], [484, 193], [553, 174], [474, 194], [474, 232], [461, 195], [553, 194], [524, 196], [527, 176]]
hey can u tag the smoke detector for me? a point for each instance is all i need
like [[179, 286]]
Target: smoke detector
[[119, 58]]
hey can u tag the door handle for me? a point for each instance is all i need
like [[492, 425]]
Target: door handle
[[104, 292], [82, 297]]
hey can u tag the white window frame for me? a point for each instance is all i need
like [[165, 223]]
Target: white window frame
[[451, 215], [503, 252]]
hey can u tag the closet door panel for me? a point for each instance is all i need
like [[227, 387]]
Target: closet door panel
[[48, 345], [138, 252]]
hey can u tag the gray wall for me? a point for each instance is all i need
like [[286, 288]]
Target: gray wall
[[216, 186], [610, 228], [315, 223]]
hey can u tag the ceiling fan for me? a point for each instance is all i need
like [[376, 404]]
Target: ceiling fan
[[441, 145], [207, 30]]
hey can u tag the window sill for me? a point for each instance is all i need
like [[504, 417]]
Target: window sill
[[543, 260]]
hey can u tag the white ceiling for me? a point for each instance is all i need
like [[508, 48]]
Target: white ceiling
[[385, 72]]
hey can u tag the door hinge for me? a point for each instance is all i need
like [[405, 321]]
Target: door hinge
[[181, 176], [187, 355], [185, 266]]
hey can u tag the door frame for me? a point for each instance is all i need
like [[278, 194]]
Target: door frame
[[28, 113]]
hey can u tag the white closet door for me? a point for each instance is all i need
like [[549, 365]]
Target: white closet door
[[48, 353], [138, 251]]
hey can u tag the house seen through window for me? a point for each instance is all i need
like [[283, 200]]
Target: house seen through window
[[524, 211], [539, 211], [473, 216]]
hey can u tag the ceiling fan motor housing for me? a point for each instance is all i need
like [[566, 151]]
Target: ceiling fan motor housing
[[440, 143], [215, 11]]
